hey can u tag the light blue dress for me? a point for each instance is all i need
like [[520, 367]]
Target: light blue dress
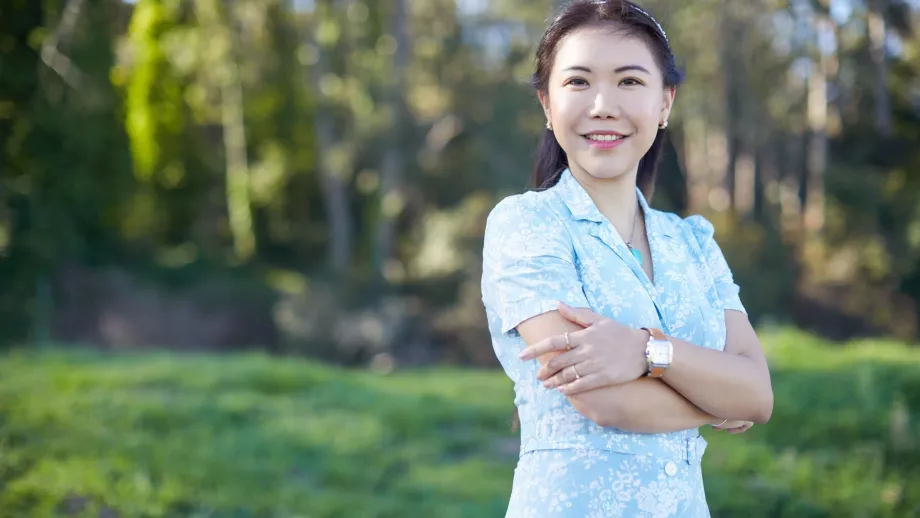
[[543, 247]]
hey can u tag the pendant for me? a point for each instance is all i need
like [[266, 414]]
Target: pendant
[[637, 254]]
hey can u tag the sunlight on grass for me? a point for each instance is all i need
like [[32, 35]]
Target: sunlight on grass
[[166, 435]]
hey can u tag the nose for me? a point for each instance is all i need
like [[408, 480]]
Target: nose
[[606, 105]]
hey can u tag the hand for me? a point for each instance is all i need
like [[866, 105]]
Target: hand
[[604, 353], [734, 427]]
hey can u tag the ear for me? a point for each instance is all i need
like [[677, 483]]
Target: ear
[[544, 102], [668, 102]]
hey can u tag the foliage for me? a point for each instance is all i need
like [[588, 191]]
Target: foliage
[[163, 435], [360, 144]]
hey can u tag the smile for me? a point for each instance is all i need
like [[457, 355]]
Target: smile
[[605, 141], [604, 138]]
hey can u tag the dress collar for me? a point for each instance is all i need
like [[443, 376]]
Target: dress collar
[[582, 207]]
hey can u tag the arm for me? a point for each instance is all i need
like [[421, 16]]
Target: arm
[[625, 406], [734, 383], [528, 267]]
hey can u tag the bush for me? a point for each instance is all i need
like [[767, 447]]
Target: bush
[[84, 433]]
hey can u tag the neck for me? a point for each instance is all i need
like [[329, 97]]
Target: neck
[[615, 198]]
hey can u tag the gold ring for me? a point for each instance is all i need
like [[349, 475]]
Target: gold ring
[[576, 372]]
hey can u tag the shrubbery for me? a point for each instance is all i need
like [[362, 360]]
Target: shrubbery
[[84, 433]]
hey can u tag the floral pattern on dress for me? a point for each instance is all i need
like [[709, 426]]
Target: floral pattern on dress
[[554, 245]]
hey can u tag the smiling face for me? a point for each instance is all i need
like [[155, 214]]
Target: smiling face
[[605, 100]]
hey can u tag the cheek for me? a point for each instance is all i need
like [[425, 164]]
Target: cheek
[[646, 112], [567, 111], [566, 107]]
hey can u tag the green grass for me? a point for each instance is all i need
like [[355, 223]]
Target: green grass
[[85, 433]]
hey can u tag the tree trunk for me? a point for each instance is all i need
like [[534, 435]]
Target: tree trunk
[[332, 179], [392, 194], [731, 73], [51, 54], [694, 152], [238, 202], [718, 196], [745, 182], [877, 36], [816, 160], [239, 209], [790, 182], [335, 198]]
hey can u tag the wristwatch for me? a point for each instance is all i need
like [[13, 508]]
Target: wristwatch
[[658, 352]]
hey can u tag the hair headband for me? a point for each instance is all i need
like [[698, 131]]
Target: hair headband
[[647, 15]]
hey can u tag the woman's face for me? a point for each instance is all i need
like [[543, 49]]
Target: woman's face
[[605, 100]]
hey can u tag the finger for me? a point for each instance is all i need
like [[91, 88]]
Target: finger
[[560, 378], [581, 316], [552, 344], [736, 430], [740, 429], [582, 384], [567, 375], [558, 363]]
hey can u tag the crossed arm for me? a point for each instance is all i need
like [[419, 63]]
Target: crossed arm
[[702, 386]]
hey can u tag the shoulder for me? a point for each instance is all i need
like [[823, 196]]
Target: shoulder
[[701, 227], [530, 203], [532, 210], [695, 226], [526, 224]]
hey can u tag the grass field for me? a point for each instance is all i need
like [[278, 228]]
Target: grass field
[[85, 433]]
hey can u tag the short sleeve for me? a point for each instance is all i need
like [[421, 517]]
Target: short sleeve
[[728, 291], [528, 263]]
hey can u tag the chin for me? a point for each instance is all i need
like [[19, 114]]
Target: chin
[[607, 169]]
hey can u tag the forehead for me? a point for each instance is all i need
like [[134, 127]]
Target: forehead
[[603, 49]]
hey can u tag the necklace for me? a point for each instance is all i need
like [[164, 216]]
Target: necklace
[[635, 252]]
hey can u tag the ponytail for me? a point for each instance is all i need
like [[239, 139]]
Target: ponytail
[[551, 161], [648, 166]]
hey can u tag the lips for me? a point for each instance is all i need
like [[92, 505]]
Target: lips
[[604, 137], [605, 140]]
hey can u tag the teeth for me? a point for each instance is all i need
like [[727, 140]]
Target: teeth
[[605, 138]]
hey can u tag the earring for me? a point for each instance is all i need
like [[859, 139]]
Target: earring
[[663, 125], [549, 125]]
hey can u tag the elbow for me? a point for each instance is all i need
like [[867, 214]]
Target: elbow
[[619, 418], [605, 420], [602, 419], [607, 417], [764, 409]]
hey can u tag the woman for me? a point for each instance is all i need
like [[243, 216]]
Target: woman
[[620, 325]]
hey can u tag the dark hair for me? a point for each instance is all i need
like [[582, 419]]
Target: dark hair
[[630, 19]]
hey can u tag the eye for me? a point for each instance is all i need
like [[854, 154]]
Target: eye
[[631, 81], [576, 81]]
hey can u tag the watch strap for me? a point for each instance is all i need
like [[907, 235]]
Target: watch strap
[[656, 334]]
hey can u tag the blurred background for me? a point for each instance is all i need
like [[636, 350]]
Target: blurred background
[[240, 250]]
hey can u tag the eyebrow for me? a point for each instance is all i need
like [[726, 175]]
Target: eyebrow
[[625, 68]]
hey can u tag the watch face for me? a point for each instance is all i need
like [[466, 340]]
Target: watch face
[[659, 353]]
